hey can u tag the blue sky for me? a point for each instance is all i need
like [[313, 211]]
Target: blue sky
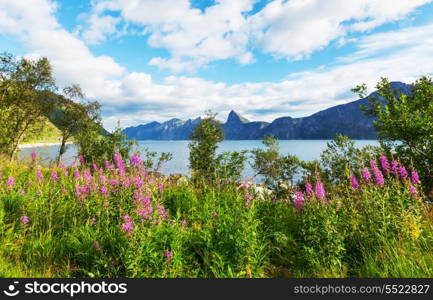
[[148, 60]]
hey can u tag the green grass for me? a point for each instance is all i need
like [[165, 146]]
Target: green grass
[[204, 231]]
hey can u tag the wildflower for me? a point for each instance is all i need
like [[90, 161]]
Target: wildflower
[[384, 163], [87, 176], [320, 190], [298, 201], [92, 221], [354, 182], [378, 176], [39, 176], [77, 174], [107, 165], [183, 222], [245, 185], [95, 167], [162, 212], [138, 183], [54, 176], [248, 198], [168, 255], [394, 167], [81, 159], [160, 187], [101, 178], [10, 182], [402, 171], [33, 155], [308, 188], [63, 190], [415, 177], [365, 174], [128, 225], [135, 160], [373, 164], [104, 190], [413, 191], [24, 220]]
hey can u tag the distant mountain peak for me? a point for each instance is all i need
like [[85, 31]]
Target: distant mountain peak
[[234, 117]]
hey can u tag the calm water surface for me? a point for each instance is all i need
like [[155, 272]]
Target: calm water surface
[[304, 149]]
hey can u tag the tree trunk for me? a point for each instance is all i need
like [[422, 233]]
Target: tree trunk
[[62, 149]]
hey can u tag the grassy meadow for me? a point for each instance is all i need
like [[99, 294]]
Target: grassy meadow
[[121, 220]]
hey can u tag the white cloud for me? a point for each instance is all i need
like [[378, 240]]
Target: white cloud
[[286, 29], [136, 98]]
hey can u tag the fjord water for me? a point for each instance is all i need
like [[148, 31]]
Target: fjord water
[[304, 149]]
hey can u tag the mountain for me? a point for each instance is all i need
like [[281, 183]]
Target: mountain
[[347, 119]]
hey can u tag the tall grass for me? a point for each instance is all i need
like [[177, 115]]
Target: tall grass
[[122, 221]]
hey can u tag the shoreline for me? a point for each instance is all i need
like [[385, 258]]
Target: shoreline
[[37, 145]]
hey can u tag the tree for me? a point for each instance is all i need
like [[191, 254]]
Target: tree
[[404, 122], [203, 146], [71, 117], [26, 97]]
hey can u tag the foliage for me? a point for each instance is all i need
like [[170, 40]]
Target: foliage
[[95, 146], [404, 122], [26, 97], [203, 146], [272, 166]]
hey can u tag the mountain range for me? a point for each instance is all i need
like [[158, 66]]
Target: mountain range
[[347, 119]]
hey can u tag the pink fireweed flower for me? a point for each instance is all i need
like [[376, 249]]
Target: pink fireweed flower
[[77, 174], [373, 164], [135, 160], [128, 225], [308, 188], [39, 176], [248, 198], [415, 178], [102, 178], [127, 183], [354, 182], [113, 182], [138, 183], [54, 176], [320, 190], [394, 167], [384, 163], [162, 212], [402, 171], [10, 182], [24, 220], [95, 167], [87, 176], [168, 255], [81, 159], [413, 191], [378, 176], [160, 187], [107, 165], [245, 185], [104, 190], [298, 200], [365, 175], [33, 155]]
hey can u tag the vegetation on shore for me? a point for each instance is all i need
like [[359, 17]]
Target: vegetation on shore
[[353, 213]]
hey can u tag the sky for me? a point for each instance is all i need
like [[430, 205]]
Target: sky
[[153, 60]]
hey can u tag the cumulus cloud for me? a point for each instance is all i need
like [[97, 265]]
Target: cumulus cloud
[[230, 29], [135, 98]]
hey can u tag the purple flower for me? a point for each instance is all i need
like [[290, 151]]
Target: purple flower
[[245, 185], [378, 176], [415, 178], [135, 160], [95, 167], [308, 188], [54, 176], [413, 191], [87, 176], [81, 159], [138, 183], [77, 174], [33, 155], [320, 190], [162, 212], [384, 163], [354, 182], [373, 164], [39, 176], [104, 190], [10, 182], [365, 175], [168, 254], [24, 220], [394, 167], [128, 225], [298, 201], [402, 171], [160, 186]]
